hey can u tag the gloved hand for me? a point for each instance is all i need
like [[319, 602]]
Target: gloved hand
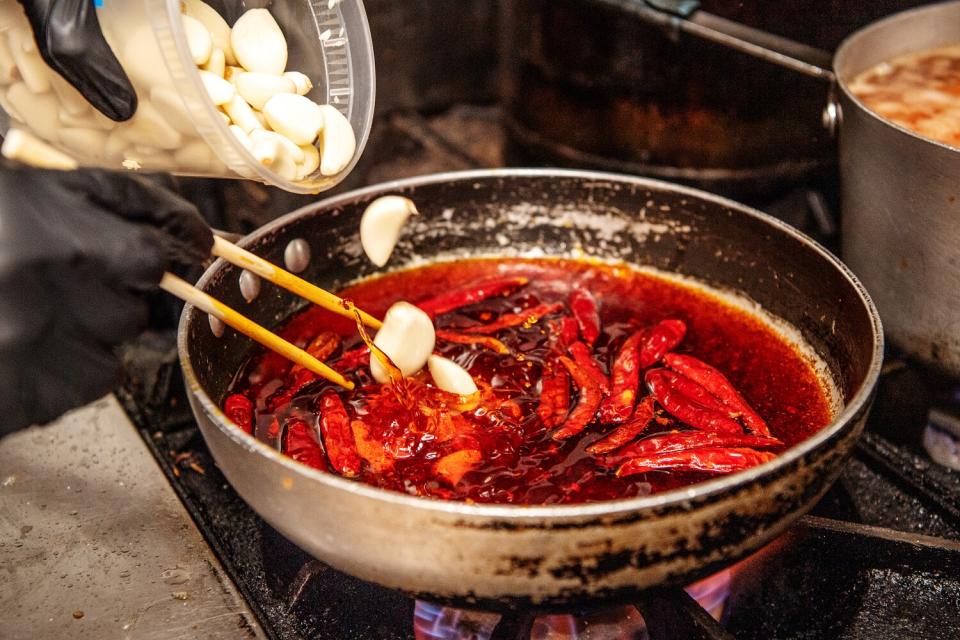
[[69, 39], [77, 249]]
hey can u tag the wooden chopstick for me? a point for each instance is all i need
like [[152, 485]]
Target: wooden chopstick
[[208, 304], [268, 271]]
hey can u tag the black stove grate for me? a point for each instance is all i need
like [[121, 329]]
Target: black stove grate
[[878, 558]]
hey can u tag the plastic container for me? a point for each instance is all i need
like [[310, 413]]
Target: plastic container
[[177, 127]]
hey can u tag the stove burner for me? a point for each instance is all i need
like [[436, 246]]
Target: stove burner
[[941, 439], [435, 622]]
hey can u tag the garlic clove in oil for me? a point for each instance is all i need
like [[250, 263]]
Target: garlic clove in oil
[[381, 224]]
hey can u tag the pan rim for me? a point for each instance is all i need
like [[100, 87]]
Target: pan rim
[[533, 513]]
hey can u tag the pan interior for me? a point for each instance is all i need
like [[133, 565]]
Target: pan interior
[[644, 223]]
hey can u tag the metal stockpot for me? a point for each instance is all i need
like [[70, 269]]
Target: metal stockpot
[[901, 218], [518, 556], [900, 211]]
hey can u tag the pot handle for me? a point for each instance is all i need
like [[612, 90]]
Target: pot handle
[[686, 16]]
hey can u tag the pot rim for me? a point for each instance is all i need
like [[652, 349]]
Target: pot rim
[[851, 42], [464, 510]]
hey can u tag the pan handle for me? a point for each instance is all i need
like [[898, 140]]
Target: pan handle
[[686, 16]]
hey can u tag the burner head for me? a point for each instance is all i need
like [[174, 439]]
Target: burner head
[[435, 622]]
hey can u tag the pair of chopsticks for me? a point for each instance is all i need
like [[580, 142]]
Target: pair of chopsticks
[[268, 271], [22, 146]]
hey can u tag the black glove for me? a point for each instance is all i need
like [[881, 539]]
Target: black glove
[[69, 39], [77, 250]]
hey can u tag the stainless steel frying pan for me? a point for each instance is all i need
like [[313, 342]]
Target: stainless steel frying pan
[[515, 556]]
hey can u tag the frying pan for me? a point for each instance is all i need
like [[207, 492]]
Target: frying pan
[[508, 556]]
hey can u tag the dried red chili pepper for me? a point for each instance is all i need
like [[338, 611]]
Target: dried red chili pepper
[[587, 403], [483, 341], [663, 337], [662, 383], [297, 382], [682, 440], [301, 445], [527, 316], [338, 435], [693, 390], [554, 395], [627, 431], [584, 359], [568, 331], [720, 387], [587, 315], [470, 294], [707, 459], [353, 359], [624, 380], [321, 347], [239, 409]]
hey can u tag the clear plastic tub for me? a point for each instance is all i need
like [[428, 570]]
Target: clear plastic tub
[[177, 127]]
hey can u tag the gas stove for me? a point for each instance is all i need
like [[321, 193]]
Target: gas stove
[[878, 557]]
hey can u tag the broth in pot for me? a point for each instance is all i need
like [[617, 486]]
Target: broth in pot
[[918, 91]]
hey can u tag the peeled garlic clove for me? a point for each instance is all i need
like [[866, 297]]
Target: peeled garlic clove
[[219, 90], [241, 135], [407, 337], [258, 43], [257, 88], [90, 119], [116, 145], [284, 165], [83, 142], [300, 81], [296, 256], [249, 286], [293, 150], [71, 102], [150, 128], [10, 111], [170, 104], [337, 142], [296, 117], [25, 147], [381, 224], [194, 155], [217, 64], [215, 24], [32, 68], [311, 160], [230, 73], [451, 377], [8, 68], [265, 150], [143, 62], [39, 112], [198, 39], [241, 114]]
